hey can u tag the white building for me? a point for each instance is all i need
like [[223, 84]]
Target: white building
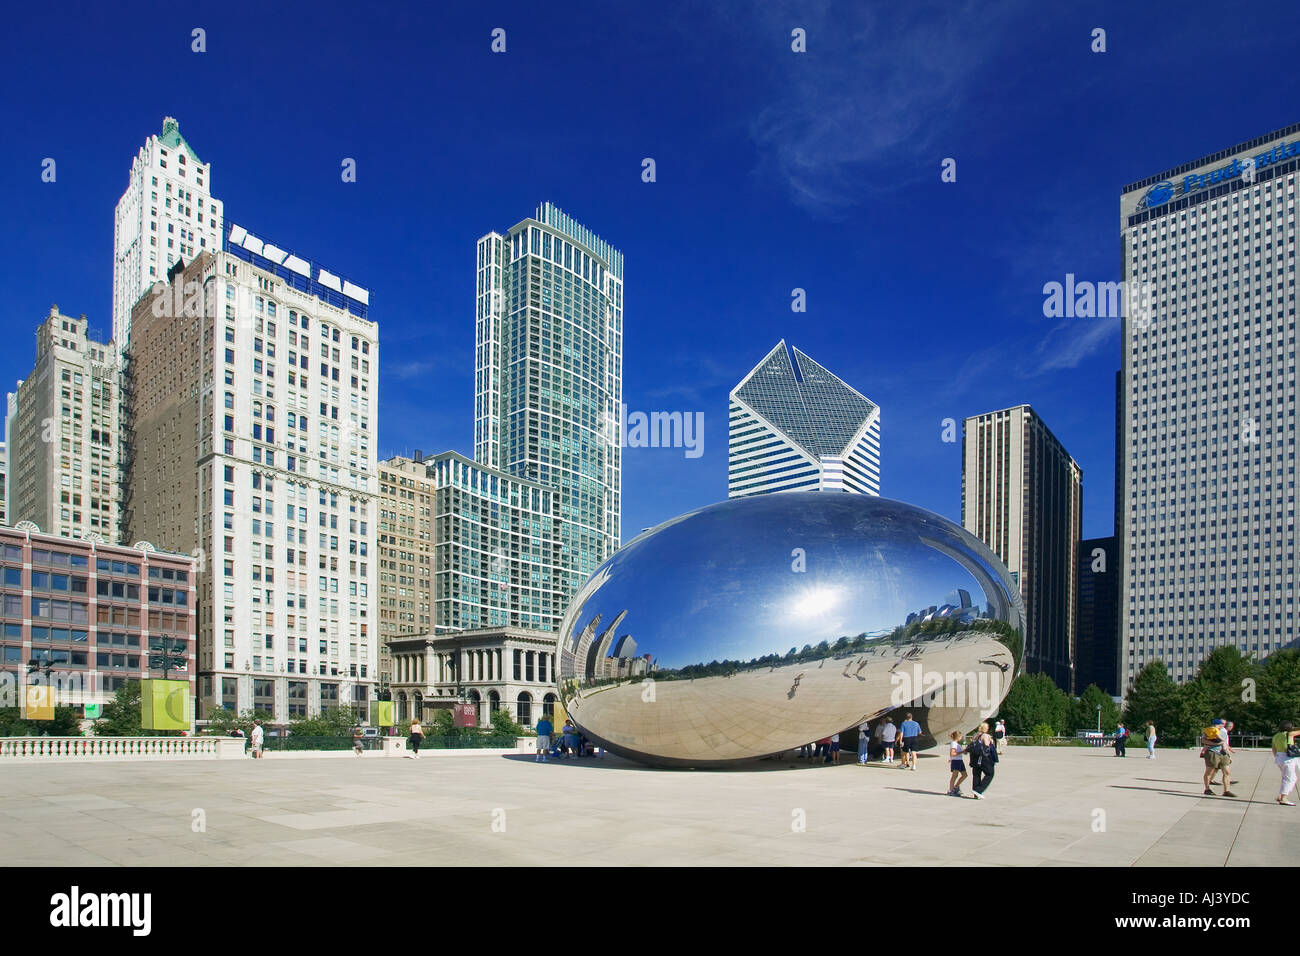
[[167, 213], [63, 434], [253, 412], [1205, 504], [794, 426]]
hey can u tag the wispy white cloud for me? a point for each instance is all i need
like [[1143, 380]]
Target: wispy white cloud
[[861, 109]]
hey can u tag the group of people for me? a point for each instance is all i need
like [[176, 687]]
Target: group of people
[[982, 752], [1122, 735], [568, 744], [898, 744]]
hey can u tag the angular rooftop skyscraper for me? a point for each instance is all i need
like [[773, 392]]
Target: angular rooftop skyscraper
[[796, 427]]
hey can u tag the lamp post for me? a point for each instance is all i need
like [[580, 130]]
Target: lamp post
[[1099, 718]]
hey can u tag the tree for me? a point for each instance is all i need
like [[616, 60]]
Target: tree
[[503, 725], [222, 721], [1034, 699], [1154, 696], [1083, 711], [1279, 690], [1218, 689], [330, 722], [66, 723], [122, 713]]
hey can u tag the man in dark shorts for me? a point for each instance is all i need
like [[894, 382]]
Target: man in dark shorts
[[910, 731]]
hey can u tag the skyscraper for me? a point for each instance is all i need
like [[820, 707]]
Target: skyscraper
[[405, 550], [496, 543], [1098, 632], [251, 411], [64, 434], [1022, 495], [794, 426], [1206, 495], [167, 213], [548, 382]]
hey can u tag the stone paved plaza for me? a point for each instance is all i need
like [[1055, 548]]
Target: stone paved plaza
[[490, 809]]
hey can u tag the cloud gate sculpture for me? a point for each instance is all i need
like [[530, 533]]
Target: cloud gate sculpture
[[751, 627]]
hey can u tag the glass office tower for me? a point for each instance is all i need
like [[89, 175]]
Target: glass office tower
[[549, 375]]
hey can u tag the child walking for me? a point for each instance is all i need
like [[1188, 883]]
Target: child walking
[[955, 764]]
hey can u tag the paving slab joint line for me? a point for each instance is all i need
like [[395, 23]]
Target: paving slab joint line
[[1250, 802]]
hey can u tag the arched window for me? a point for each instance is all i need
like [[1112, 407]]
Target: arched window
[[548, 707], [525, 708]]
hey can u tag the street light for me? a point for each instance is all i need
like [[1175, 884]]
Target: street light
[[1099, 718]]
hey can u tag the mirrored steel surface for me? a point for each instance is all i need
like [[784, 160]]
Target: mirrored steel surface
[[754, 626]]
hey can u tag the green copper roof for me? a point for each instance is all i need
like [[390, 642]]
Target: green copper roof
[[171, 137]]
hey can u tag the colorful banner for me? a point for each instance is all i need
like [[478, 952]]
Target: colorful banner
[[164, 704], [38, 702]]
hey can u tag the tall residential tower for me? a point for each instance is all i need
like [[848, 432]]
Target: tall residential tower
[[548, 375], [1022, 495], [252, 390], [64, 434]]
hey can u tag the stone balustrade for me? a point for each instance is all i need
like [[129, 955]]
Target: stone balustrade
[[121, 748]]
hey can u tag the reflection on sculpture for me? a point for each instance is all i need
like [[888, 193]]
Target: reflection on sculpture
[[753, 626]]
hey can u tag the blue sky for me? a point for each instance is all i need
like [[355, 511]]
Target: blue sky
[[775, 170]]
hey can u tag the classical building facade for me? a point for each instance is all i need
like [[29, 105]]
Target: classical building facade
[[491, 668], [793, 426], [64, 435]]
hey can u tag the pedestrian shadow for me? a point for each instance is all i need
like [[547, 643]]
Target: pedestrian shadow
[[1177, 793], [927, 793]]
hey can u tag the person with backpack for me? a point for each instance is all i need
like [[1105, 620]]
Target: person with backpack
[[983, 752], [1218, 756], [1286, 755], [1121, 741]]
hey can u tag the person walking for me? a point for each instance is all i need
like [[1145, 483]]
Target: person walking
[[1218, 756], [1286, 755], [1150, 734], [878, 739], [887, 736], [955, 764], [417, 735], [984, 758], [910, 731], [357, 744], [1000, 735], [1121, 741], [864, 742], [543, 728], [1225, 734], [834, 755], [259, 735]]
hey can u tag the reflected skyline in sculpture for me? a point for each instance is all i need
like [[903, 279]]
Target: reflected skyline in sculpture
[[755, 625]]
